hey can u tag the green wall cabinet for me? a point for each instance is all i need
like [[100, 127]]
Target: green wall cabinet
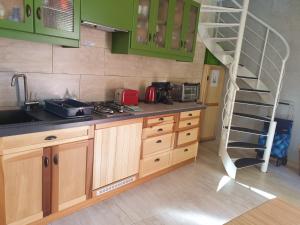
[[161, 28], [110, 13], [51, 21]]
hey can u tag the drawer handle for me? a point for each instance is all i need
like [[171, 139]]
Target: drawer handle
[[191, 114], [46, 162], [159, 141], [157, 160], [55, 160], [161, 119], [186, 150], [160, 130], [50, 138], [188, 134], [189, 124]]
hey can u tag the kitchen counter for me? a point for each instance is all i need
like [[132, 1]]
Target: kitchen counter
[[51, 122]]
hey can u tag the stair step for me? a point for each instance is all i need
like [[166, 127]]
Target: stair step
[[253, 103], [212, 8], [254, 90], [222, 39], [250, 116], [229, 52], [246, 162], [247, 130], [245, 77], [215, 25], [245, 145]]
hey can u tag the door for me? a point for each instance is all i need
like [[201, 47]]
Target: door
[[16, 15], [191, 19], [59, 18], [69, 174], [211, 93], [22, 187], [142, 34], [161, 20], [116, 153]]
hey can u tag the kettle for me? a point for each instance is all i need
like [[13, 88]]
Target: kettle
[[150, 95]]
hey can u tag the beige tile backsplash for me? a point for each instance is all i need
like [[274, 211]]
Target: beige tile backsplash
[[89, 73]]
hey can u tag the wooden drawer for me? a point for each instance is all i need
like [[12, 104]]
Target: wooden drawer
[[188, 123], [185, 153], [156, 144], [190, 114], [155, 163], [157, 130], [13, 144], [159, 120], [187, 136]]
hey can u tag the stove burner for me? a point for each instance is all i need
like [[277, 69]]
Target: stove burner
[[109, 109]]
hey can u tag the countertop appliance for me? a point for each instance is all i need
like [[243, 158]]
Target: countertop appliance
[[150, 95], [126, 96], [163, 92], [109, 109], [186, 92], [68, 108]]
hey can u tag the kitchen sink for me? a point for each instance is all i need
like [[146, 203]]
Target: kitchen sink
[[15, 116]]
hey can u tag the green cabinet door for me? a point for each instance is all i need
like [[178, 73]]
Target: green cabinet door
[[16, 15], [143, 24], [190, 28], [60, 18], [111, 13]]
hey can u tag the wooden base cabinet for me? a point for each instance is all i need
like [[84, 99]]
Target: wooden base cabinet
[[117, 152], [21, 187]]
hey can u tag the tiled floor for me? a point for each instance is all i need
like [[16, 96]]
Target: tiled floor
[[189, 196]]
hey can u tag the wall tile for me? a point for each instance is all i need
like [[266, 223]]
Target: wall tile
[[122, 65], [24, 56], [45, 86], [95, 38], [84, 60], [155, 67], [8, 94]]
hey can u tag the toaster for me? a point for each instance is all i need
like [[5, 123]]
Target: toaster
[[127, 96]]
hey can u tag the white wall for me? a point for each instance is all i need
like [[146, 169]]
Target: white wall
[[284, 16]]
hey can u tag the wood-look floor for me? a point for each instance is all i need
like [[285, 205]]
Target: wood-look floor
[[189, 196]]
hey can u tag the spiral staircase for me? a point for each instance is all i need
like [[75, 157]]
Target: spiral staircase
[[255, 55]]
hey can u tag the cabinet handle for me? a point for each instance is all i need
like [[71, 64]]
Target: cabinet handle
[[160, 130], [181, 44], [191, 114], [55, 160], [38, 13], [188, 134], [157, 160], [159, 141], [189, 124], [186, 150], [28, 10], [161, 119], [46, 162], [50, 138], [154, 37], [150, 37]]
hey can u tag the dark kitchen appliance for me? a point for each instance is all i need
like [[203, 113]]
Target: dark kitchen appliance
[[126, 96], [150, 95], [109, 109], [68, 108], [186, 92], [163, 92]]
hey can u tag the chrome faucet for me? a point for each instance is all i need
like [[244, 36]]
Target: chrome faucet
[[27, 103]]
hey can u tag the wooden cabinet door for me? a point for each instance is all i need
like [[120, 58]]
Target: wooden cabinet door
[[69, 171], [21, 187], [209, 123], [116, 153]]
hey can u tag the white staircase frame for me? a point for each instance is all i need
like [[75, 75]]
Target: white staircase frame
[[233, 64]]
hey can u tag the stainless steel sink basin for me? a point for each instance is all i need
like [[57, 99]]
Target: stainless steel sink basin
[[15, 116]]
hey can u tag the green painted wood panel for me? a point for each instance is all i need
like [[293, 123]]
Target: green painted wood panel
[[56, 22], [112, 13], [26, 25]]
